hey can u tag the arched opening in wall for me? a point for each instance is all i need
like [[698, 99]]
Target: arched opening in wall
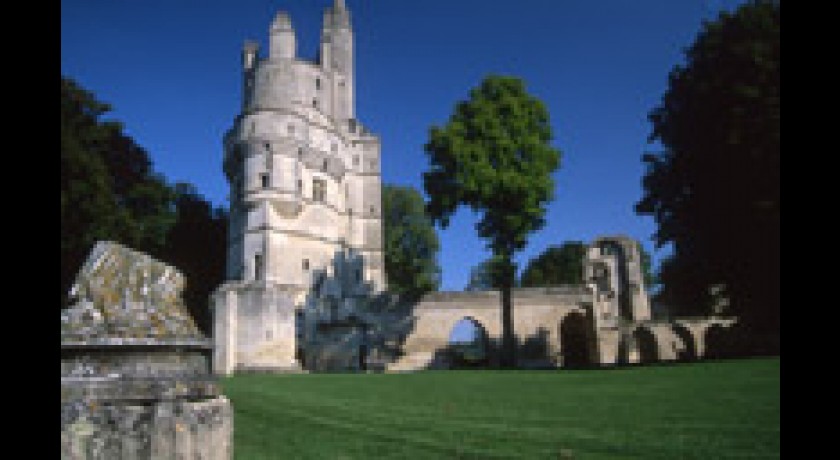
[[719, 343], [575, 342], [645, 345], [684, 346], [468, 344]]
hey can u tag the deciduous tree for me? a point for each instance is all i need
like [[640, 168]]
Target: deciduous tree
[[494, 156], [714, 190], [410, 243], [557, 265]]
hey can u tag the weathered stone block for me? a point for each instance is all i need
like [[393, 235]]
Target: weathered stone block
[[135, 371]]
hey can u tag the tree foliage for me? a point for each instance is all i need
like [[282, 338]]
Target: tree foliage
[[410, 244], [494, 156], [557, 265], [110, 192], [486, 275], [197, 244], [714, 191]]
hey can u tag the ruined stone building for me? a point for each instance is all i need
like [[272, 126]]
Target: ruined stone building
[[305, 264]]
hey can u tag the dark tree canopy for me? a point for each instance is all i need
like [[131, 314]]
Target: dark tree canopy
[[714, 191], [557, 265], [110, 192], [410, 244], [494, 156], [197, 244]]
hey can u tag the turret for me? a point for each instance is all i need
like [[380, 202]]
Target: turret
[[282, 38], [336, 55], [250, 52], [249, 55]]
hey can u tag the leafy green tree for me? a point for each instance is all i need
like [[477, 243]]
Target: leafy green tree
[[486, 275], [556, 266], [411, 243], [494, 156], [108, 190], [88, 212], [715, 189]]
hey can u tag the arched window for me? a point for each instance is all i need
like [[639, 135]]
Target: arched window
[[646, 345], [685, 348], [319, 190], [258, 267], [575, 340]]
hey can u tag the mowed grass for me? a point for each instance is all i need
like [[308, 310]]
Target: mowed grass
[[714, 409]]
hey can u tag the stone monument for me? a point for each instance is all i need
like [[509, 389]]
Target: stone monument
[[135, 369]]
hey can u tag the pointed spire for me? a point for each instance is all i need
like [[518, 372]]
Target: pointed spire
[[340, 15], [282, 22], [282, 43]]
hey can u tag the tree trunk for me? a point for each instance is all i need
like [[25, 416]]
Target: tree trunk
[[508, 344]]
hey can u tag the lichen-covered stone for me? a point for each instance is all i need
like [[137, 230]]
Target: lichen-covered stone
[[135, 370], [124, 293]]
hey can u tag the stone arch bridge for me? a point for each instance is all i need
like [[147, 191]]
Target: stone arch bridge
[[553, 327]]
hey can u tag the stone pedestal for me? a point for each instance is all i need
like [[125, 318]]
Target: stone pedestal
[[145, 399]]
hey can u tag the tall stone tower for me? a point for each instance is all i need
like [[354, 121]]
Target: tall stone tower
[[305, 192]]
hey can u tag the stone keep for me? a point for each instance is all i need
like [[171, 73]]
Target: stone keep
[[135, 369], [305, 191]]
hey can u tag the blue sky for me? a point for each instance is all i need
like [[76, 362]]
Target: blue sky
[[171, 71]]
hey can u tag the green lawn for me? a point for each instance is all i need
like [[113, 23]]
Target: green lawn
[[701, 410]]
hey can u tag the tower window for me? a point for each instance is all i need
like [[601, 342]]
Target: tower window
[[300, 152], [300, 185], [319, 189], [267, 147], [306, 264], [324, 167], [258, 266], [315, 103], [265, 180], [317, 83]]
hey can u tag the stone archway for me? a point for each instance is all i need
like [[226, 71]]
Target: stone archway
[[685, 347], [468, 344], [718, 342], [645, 345], [575, 343]]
